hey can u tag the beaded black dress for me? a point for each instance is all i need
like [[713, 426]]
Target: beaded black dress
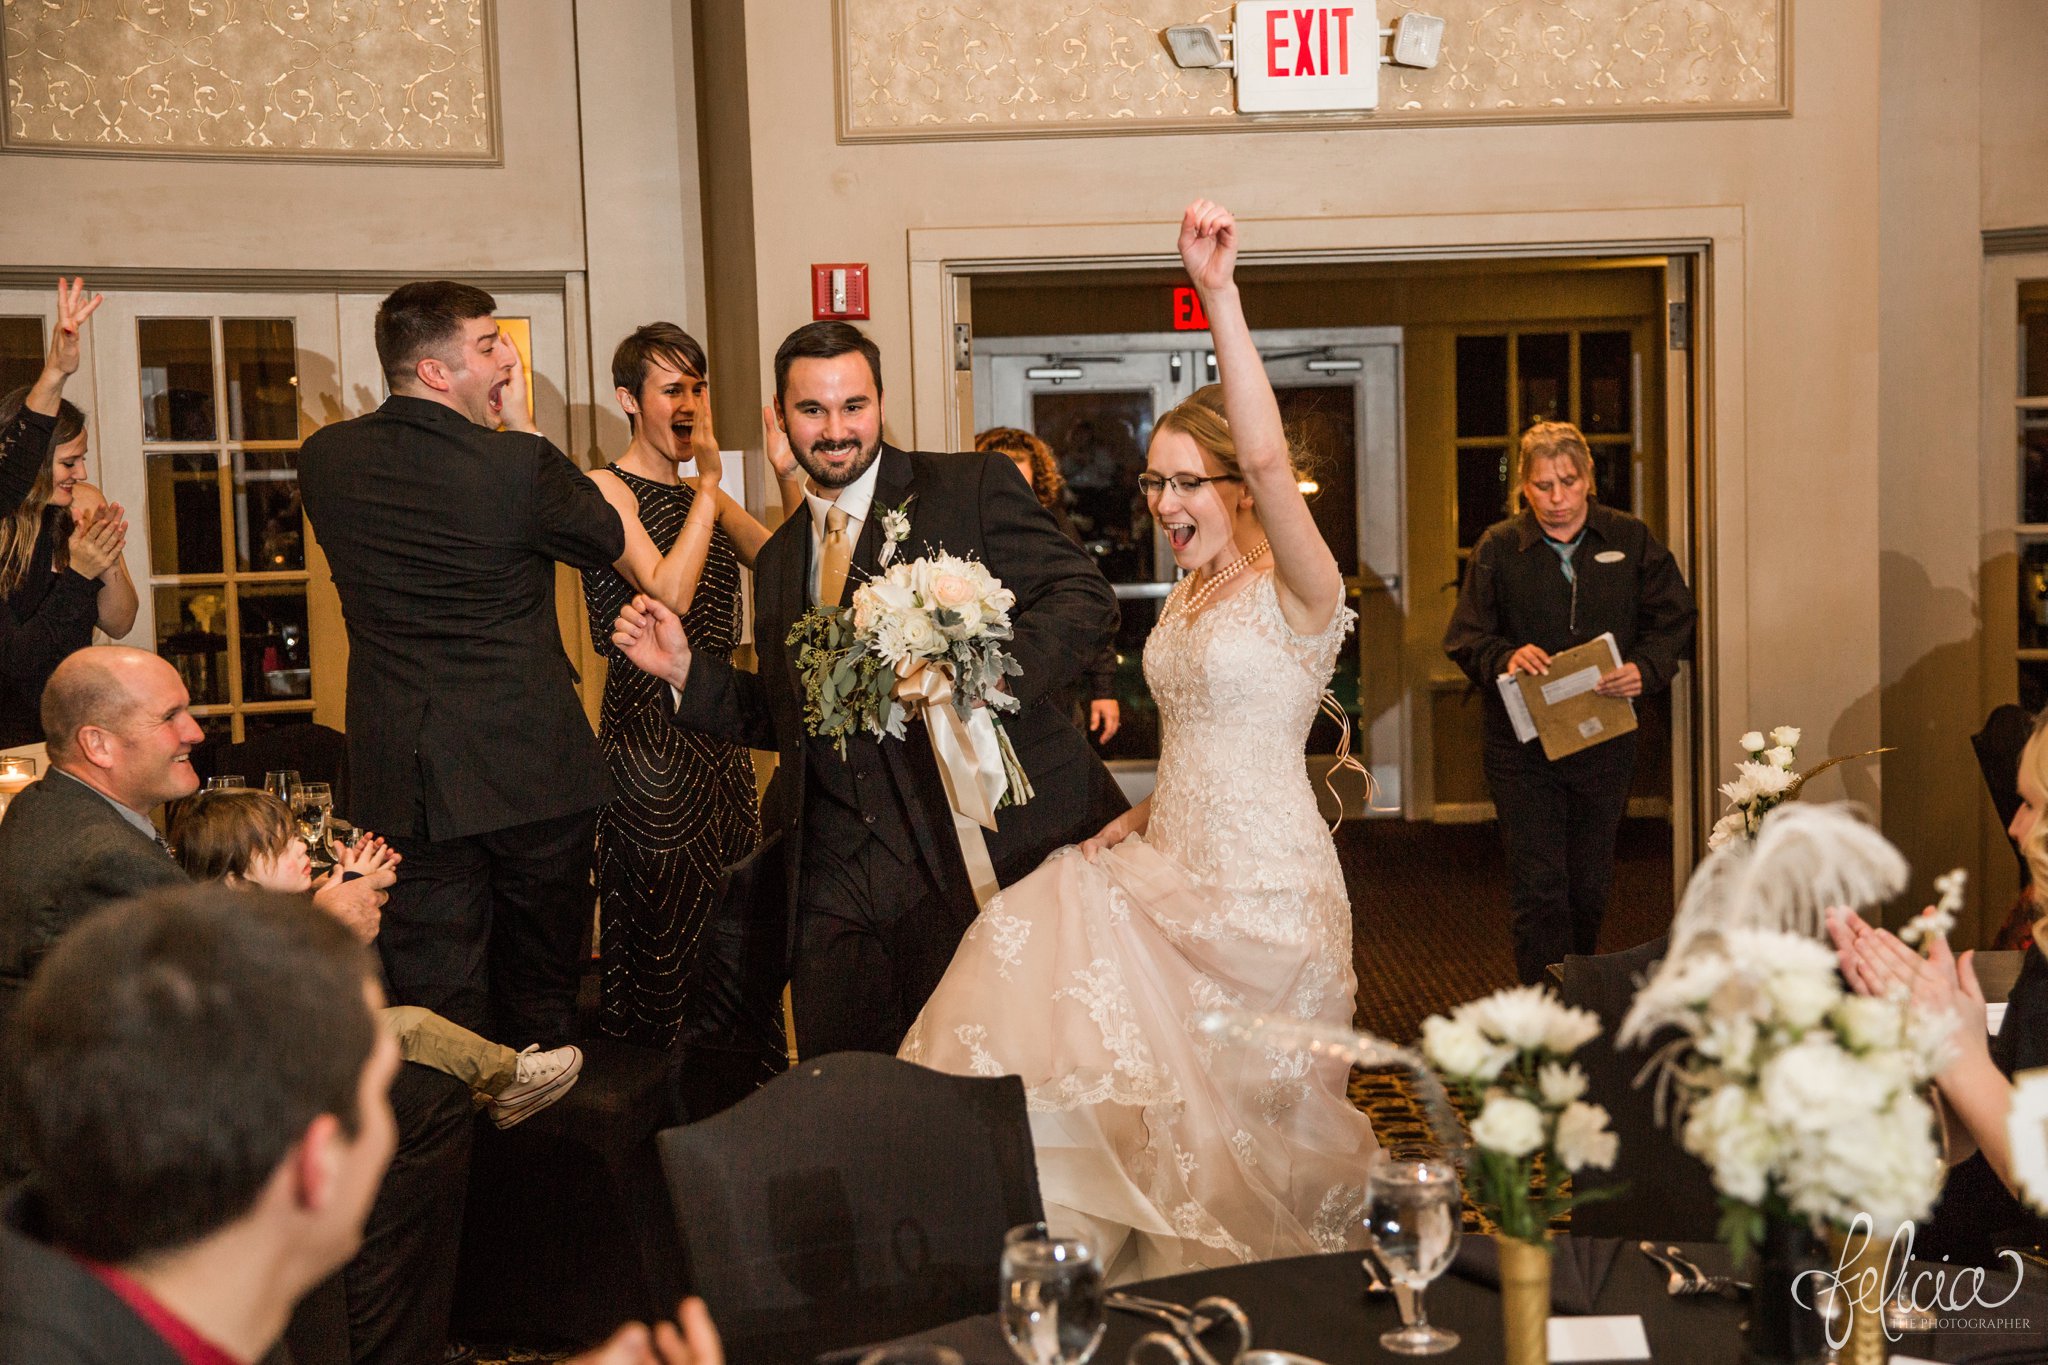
[[685, 808]]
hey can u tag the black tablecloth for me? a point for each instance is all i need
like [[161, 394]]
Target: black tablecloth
[[1316, 1306]]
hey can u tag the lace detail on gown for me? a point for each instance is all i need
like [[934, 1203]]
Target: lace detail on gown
[[1085, 979]]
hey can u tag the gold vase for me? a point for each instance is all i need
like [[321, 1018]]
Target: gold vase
[[1525, 1300], [1862, 1290]]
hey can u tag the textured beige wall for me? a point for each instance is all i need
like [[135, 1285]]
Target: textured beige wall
[[93, 211], [1928, 527], [1806, 187], [979, 68], [2015, 102], [307, 78]]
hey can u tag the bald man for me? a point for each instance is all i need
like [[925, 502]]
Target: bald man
[[120, 732]]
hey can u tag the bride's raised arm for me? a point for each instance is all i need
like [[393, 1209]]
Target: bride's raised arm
[[1311, 585]]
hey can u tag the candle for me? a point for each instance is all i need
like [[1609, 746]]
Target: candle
[[16, 774]]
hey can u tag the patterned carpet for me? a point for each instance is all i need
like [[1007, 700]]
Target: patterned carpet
[[1430, 917]]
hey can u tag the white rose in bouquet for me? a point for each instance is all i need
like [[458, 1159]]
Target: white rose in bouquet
[[1583, 1138], [1753, 742], [1729, 1131], [1780, 757], [1802, 999], [1786, 736], [920, 637], [1865, 1023], [1513, 1127], [953, 590]]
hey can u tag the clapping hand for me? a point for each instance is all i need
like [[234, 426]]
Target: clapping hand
[[1876, 963], [696, 1344], [369, 857], [780, 457], [652, 637], [1208, 246], [97, 540], [73, 308]]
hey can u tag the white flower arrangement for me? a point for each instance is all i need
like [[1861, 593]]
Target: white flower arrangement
[[1801, 1098], [1938, 919], [1763, 780], [1507, 1056], [2027, 1127]]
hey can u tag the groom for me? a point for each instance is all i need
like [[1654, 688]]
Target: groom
[[877, 890]]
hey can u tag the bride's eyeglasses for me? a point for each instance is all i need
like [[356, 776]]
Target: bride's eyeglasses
[[1152, 485]]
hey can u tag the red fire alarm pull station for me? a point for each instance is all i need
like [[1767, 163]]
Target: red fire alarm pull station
[[839, 291]]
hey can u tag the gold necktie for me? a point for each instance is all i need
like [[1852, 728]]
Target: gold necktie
[[835, 557]]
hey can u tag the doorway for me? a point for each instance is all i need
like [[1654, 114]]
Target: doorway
[[1095, 398]]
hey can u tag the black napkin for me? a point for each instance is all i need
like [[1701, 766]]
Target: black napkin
[[1579, 1268]]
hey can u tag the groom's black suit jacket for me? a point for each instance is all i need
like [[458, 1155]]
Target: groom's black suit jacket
[[971, 505]]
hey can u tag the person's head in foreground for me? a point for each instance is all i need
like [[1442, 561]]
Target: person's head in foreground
[[199, 1083]]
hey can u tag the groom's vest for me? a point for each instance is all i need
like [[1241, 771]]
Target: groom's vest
[[855, 797]]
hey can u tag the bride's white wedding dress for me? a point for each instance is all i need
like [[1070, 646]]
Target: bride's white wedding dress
[[1084, 978]]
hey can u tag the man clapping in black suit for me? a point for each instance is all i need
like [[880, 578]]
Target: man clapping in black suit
[[874, 877], [468, 747]]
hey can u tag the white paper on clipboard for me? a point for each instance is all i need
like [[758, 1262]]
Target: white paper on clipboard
[[1518, 709]]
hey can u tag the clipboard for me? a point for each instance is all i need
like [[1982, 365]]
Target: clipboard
[[1561, 708]]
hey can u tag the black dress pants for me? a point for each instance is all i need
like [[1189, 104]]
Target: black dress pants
[[401, 1284], [874, 935], [489, 929], [1558, 823]]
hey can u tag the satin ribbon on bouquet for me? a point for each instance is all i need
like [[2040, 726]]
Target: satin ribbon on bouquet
[[976, 765]]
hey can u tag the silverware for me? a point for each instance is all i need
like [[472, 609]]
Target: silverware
[[1680, 1283], [1190, 1324], [1725, 1285], [1378, 1281]]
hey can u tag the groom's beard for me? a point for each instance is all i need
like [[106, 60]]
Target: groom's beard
[[826, 476]]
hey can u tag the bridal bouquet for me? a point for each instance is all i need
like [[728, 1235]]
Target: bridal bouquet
[[1508, 1056], [922, 635], [1804, 1100]]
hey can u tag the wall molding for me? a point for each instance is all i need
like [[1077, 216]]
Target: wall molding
[[2015, 241], [979, 69]]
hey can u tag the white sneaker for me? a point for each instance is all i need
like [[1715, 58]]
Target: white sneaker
[[540, 1080]]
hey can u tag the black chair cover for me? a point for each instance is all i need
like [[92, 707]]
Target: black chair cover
[[853, 1199], [1669, 1196]]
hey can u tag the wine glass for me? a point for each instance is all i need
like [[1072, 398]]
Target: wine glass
[[1052, 1309], [313, 805], [1413, 1213], [912, 1353], [227, 782], [281, 783]]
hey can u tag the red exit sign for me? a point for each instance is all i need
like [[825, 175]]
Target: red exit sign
[[1187, 311], [1307, 56]]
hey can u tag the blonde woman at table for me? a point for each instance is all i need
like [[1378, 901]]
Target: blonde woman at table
[[1223, 889], [1975, 1087]]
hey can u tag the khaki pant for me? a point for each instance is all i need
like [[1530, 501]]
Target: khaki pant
[[427, 1038]]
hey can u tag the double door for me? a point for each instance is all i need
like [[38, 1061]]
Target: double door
[[1095, 400]]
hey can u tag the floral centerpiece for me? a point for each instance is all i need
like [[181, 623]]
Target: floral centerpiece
[[1508, 1057], [1764, 780], [1805, 1101]]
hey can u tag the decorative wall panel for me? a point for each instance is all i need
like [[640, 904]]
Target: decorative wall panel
[[375, 79], [1010, 68]]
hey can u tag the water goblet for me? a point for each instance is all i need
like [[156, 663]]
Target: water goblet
[[313, 805], [281, 783], [1413, 1213], [1051, 1296], [227, 782]]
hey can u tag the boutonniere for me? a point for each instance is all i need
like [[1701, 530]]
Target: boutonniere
[[895, 529]]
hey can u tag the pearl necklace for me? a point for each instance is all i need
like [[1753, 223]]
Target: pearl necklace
[[1198, 596]]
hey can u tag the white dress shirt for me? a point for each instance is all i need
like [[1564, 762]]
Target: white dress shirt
[[855, 500]]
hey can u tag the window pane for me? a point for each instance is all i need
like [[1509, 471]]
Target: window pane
[[1482, 386], [2034, 467], [276, 652], [2034, 338], [191, 631], [1614, 475], [1100, 441], [2033, 595], [263, 379], [270, 529], [255, 723], [1543, 363], [21, 352], [1605, 382], [1322, 421], [1482, 491], [2034, 685], [184, 513], [177, 379]]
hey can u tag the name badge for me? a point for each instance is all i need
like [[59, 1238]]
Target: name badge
[[1609, 557]]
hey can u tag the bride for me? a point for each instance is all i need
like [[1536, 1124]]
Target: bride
[[1221, 889]]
